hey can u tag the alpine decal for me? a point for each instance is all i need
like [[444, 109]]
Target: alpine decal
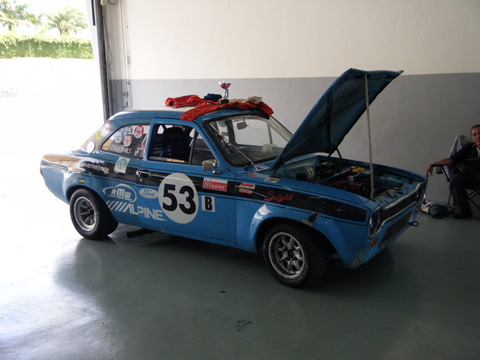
[[178, 198], [215, 184], [130, 208], [121, 192]]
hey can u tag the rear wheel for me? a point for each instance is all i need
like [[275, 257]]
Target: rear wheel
[[293, 256], [90, 215]]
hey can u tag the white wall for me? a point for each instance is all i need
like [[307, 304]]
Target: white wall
[[198, 39], [289, 52]]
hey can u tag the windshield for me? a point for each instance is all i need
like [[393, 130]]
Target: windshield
[[245, 140]]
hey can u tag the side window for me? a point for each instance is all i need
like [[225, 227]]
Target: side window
[[201, 152], [181, 144], [128, 141]]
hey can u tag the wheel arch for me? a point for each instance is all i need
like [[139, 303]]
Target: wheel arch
[[266, 225], [73, 189]]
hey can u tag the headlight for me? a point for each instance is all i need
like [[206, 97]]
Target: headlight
[[375, 221]]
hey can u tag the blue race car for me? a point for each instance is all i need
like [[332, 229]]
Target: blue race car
[[228, 173]]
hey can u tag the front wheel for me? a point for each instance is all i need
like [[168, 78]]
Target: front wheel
[[90, 215], [293, 257]]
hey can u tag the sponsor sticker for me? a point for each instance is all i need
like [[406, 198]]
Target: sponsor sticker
[[272, 179], [90, 147], [215, 184], [245, 191], [127, 140], [148, 193], [121, 165], [118, 137], [121, 192], [94, 168], [278, 197], [247, 186], [139, 131], [132, 209]]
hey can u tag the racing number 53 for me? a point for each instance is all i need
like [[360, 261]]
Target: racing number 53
[[178, 198], [169, 193]]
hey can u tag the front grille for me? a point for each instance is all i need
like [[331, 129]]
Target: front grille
[[398, 207]]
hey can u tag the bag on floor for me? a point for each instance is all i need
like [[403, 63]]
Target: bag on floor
[[435, 210]]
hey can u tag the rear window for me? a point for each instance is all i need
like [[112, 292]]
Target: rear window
[[129, 141]]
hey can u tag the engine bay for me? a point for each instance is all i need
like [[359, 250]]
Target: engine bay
[[348, 175]]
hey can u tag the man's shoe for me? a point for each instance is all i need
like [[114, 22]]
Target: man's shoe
[[462, 214]]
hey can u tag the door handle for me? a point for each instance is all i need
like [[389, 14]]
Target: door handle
[[143, 174]]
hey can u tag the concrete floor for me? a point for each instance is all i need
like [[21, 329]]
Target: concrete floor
[[160, 297]]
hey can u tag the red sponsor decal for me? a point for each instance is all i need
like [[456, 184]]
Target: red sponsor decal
[[278, 197], [138, 132], [215, 184], [245, 191], [127, 140], [247, 186]]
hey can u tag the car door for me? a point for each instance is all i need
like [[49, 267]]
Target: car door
[[176, 195]]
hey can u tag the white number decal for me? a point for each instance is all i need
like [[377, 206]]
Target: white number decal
[[178, 198]]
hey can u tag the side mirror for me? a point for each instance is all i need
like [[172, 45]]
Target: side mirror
[[210, 165]]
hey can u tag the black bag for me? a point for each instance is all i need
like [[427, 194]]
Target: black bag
[[438, 211]]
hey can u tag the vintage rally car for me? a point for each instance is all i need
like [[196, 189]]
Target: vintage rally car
[[228, 173]]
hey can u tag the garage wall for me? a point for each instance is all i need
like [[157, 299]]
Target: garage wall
[[290, 51]]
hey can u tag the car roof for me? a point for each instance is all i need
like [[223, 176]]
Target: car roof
[[149, 113], [133, 116]]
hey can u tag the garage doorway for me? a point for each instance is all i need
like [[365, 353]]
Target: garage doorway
[[46, 104]]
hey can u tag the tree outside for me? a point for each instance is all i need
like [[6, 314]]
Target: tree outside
[[65, 24], [12, 15], [67, 20]]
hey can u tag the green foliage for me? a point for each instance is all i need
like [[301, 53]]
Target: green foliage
[[67, 20], [13, 15], [13, 45]]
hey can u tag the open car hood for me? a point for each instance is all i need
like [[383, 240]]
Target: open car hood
[[335, 113]]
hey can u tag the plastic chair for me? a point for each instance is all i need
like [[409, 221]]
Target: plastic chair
[[448, 171]]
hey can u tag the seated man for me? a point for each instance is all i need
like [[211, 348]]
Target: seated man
[[469, 177]]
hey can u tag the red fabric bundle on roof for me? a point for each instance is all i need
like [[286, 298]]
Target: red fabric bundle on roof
[[192, 114], [187, 100]]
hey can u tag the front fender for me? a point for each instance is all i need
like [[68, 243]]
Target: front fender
[[348, 238]]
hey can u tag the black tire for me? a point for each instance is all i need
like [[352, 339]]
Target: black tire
[[90, 215], [293, 256]]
